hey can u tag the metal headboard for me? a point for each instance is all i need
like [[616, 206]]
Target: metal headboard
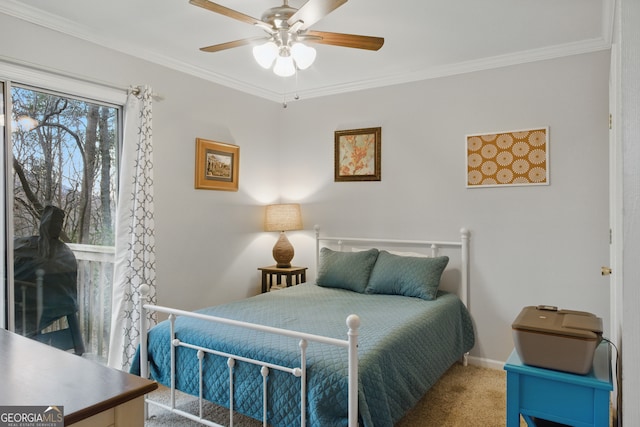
[[435, 246]]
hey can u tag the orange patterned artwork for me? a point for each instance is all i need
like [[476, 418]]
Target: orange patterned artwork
[[508, 158], [357, 154]]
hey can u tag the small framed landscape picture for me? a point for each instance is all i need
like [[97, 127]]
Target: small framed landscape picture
[[357, 154], [216, 165]]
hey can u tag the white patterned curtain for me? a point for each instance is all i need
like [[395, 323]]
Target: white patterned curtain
[[135, 261]]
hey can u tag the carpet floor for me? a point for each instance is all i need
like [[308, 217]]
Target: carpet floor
[[466, 396]]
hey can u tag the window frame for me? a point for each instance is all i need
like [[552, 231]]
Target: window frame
[[37, 78]]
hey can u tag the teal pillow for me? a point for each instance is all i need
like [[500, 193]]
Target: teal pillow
[[406, 275], [345, 270]]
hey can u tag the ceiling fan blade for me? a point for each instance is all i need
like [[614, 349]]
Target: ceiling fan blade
[[214, 7], [344, 40], [313, 11], [230, 45]]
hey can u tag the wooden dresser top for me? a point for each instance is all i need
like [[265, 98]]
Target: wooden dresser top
[[35, 374]]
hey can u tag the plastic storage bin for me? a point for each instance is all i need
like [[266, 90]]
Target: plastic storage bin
[[564, 340]]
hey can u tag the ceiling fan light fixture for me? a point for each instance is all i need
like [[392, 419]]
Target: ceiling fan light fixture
[[285, 25], [265, 54], [284, 67], [303, 55]]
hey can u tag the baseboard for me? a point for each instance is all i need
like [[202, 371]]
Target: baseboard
[[485, 363]]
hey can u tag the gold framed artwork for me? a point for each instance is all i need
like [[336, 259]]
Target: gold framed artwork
[[357, 154], [216, 165], [518, 157]]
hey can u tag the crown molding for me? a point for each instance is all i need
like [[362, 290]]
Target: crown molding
[[483, 64], [65, 26]]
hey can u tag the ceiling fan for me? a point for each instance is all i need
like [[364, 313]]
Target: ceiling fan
[[287, 28]]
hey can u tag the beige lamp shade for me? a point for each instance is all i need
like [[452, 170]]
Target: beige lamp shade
[[283, 217]]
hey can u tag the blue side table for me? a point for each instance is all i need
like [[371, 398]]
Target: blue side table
[[562, 397]]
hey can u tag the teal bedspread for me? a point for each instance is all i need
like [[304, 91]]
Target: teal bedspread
[[405, 345]]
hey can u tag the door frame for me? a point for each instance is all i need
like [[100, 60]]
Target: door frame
[[616, 218]]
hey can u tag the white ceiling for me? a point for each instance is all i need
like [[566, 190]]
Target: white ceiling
[[423, 38]]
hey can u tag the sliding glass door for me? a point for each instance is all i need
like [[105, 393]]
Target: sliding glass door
[[61, 171], [5, 294]]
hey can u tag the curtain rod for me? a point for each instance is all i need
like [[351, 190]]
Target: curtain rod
[[136, 90]]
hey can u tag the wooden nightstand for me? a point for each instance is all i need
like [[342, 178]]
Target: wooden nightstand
[[273, 275]]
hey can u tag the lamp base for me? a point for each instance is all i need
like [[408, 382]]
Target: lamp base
[[283, 251]]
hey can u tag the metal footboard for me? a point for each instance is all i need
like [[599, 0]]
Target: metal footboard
[[351, 343]]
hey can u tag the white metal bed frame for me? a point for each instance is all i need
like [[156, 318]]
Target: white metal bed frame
[[351, 343]]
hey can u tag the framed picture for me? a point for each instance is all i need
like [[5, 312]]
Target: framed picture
[[510, 158], [216, 165], [357, 154]]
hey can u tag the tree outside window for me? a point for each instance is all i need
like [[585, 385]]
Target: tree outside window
[[65, 155]]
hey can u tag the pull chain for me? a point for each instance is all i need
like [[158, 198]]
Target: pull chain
[[295, 96]]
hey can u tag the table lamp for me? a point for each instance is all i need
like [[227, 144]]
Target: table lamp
[[283, 217]]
